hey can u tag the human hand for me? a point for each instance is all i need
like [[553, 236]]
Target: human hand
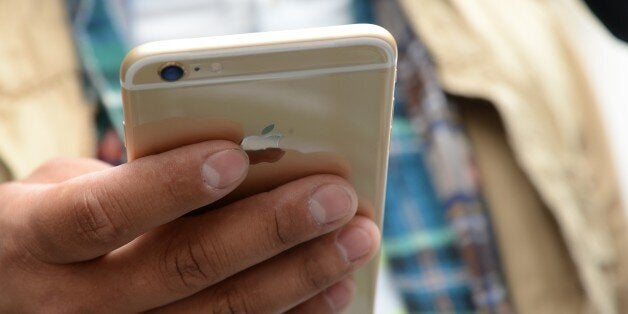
[[81, 236]]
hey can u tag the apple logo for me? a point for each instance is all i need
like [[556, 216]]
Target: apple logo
[[264, 147]]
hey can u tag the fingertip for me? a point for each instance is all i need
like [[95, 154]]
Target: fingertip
[[359, 240], [371, 228], [225, 168], [340, 295], [332, 203]]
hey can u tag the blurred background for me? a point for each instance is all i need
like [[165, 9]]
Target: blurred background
[[509, 156]]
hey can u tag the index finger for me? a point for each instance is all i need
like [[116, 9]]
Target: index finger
[[93, 214]]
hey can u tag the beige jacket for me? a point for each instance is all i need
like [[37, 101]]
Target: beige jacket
[[42, 112], [522, 57]]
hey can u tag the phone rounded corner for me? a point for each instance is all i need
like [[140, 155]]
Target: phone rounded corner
[[128, 66], [383, 35]]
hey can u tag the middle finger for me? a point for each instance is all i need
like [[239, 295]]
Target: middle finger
[[193, 253]]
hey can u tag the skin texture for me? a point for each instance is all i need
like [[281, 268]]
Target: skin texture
[[81, 236]]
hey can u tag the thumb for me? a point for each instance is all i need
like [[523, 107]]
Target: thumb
[[96, 213]]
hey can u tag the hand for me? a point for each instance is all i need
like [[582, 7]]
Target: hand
[[81, 236]]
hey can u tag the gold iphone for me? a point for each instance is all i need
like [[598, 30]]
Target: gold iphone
[[300, 102]]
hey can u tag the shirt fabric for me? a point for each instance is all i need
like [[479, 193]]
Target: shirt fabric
[[434, 191], [419, 241]]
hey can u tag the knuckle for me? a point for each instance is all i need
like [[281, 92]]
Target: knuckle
[[281, 235], [281, 224], [187, 264], [94, 211], [317, 274], [232, 300], [171, 183]]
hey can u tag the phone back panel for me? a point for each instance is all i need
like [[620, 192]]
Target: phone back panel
[[300, 102]]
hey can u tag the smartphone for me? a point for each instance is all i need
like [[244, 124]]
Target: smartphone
[[300, 102]]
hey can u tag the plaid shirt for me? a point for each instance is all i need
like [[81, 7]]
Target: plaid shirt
[[455, 178], [435, 213], [419, 241]]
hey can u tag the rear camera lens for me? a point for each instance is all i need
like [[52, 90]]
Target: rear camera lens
[[171, 73]]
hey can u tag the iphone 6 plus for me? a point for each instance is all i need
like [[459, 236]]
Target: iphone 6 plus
[[300, 102]]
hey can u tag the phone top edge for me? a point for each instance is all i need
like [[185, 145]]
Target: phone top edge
[[254, 43], [256, 77]]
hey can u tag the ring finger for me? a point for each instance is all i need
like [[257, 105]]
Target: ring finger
[[295, 277]]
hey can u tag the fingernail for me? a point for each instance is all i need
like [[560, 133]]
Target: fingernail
[[330, 203], [354, 242], [340, 295], [224, 168]]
